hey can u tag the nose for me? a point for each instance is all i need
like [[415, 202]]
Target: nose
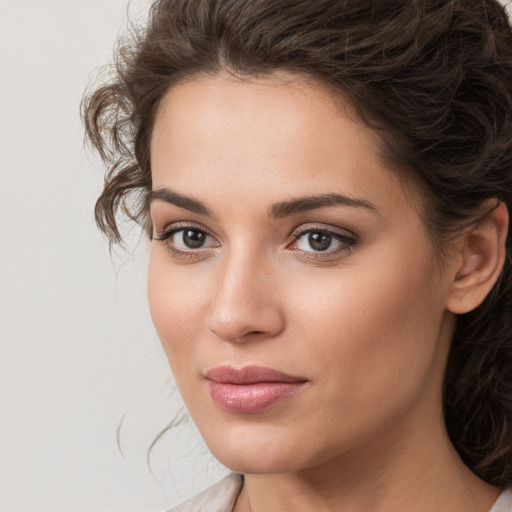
[[245, 304]]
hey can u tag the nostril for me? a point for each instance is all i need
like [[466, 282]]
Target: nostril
[[235, 334], [239, 336]]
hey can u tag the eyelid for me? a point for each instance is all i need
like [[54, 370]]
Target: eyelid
[[327, 228], [348, 240], [175, 227]]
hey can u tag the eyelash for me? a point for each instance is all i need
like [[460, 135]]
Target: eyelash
[[176, 228], [347, 241]]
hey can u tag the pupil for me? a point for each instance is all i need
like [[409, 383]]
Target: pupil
[[193, 239], [320, 241]]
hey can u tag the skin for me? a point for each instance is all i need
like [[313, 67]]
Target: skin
[[366, 322]]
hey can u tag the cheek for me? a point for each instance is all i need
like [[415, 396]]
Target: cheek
[[371, 342], [372, 321], [176, 301]]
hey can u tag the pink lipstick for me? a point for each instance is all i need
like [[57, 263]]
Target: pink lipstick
[[250, 389]]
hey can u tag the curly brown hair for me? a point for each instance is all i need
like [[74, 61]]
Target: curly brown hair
[[432, 77]]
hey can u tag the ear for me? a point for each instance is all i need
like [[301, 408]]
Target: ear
[[481, 255]]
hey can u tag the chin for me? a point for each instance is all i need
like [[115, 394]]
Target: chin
[[257, 463], [262, 454]]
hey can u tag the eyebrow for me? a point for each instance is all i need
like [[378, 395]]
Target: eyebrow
[[169, 196], [277, 210], [304, 204]]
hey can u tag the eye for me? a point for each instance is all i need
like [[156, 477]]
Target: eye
[[185, 240], [321, 242], [316, 241], [189, 239]]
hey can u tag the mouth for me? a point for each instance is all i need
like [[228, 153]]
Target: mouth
[[250, 389]]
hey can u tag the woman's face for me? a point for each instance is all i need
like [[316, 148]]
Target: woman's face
[[291, 280]]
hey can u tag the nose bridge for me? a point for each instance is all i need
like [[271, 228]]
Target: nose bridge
[[245, 301]]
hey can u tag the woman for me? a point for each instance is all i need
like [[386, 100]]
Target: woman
[[326, 186]]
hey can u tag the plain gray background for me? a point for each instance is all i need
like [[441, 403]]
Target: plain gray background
[[77, 349]]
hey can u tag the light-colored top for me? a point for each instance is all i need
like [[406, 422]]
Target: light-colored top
[[219, 498], [504, 503], [223, 495]]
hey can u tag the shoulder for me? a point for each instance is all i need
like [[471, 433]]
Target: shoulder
[[504, 503], [221, 497]]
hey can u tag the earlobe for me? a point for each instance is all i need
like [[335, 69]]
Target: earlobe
[[482, 254]]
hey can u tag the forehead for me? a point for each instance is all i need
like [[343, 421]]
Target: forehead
[[271, 137]]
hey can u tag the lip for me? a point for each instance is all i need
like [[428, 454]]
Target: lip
[[250, 389]]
